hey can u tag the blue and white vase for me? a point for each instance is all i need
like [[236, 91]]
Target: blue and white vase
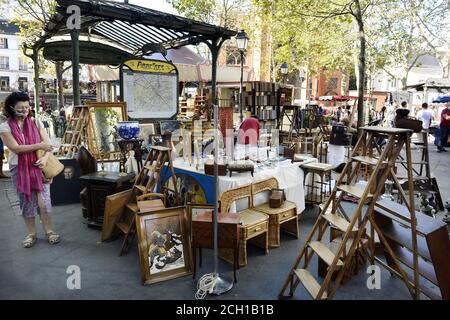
[[128, 129]]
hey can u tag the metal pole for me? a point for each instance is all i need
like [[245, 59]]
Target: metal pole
[[241, 97], [75, 67], [216, 147], [222, 283]]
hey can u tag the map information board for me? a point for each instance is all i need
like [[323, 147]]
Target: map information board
[[150, 94]]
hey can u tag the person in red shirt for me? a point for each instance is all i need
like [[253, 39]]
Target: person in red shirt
[[249, 131], [445, 127]]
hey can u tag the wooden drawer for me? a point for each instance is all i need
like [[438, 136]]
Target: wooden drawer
[[202, 235], [287, 215], [254, 230]]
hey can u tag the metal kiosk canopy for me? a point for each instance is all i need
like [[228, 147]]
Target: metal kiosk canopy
[[132, 29]]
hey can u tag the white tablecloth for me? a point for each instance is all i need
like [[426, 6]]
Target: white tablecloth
[[289, 176]]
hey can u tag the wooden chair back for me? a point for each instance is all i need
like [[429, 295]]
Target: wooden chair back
[[229, 196], [151, 202], [264, 185], [149, 196]]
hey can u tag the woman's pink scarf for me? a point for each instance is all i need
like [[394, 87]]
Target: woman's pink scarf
[[29, 177]]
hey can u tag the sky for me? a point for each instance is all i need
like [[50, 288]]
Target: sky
[[160, 5]]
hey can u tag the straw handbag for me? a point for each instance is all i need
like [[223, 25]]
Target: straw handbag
[[53, 166]]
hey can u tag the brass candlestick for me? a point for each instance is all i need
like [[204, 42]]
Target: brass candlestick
[[122, 171], [103, 171]]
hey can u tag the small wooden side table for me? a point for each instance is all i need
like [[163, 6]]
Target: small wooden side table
[[98, 188], [315, 193], [203, 236]]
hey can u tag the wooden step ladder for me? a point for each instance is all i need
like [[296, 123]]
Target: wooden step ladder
[[354, 233], [75, 133], [147, 181]]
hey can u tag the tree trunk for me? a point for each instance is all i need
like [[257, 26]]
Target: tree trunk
[[404, 82], [59, 84], [446, 72], [361, 63], [35, 58]]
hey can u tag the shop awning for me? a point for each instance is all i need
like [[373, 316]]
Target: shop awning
[[337, 98]]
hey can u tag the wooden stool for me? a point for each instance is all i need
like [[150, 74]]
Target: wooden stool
[[323, 170], [284, 217]]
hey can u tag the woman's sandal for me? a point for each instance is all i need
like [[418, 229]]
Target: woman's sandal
[[29, 241], [52, 237]]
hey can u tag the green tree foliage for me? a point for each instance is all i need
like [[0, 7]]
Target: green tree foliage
[[233, 14], [402, 31], [325, 34], [226, 13], [302, 40]]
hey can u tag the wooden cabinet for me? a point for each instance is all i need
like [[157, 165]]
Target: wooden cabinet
[[228, 237], [97, 188]]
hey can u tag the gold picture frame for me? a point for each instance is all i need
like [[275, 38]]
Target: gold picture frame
[[101, 128], [164, 245]]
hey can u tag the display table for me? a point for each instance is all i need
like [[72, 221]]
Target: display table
[[98, 187], [290, 178]]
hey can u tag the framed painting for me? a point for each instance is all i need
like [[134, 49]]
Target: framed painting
[[169, 126], [146, 130], [164, 246], [103, 120]]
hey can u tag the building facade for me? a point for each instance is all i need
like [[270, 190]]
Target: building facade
[[15, 69]]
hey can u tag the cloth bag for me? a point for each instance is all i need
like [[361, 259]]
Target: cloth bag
[[53, 166]]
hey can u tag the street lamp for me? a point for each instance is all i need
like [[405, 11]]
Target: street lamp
[[241, 44], [284, 69]]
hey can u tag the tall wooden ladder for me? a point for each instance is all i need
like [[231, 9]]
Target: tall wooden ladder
[[355, 235], [147, 181], [423, 181], [76, 130], [424, 163]]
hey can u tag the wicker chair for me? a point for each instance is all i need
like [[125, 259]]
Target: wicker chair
[[284, 217], [254, 224]]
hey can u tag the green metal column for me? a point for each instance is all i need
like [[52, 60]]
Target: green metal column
[[74, 34]]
